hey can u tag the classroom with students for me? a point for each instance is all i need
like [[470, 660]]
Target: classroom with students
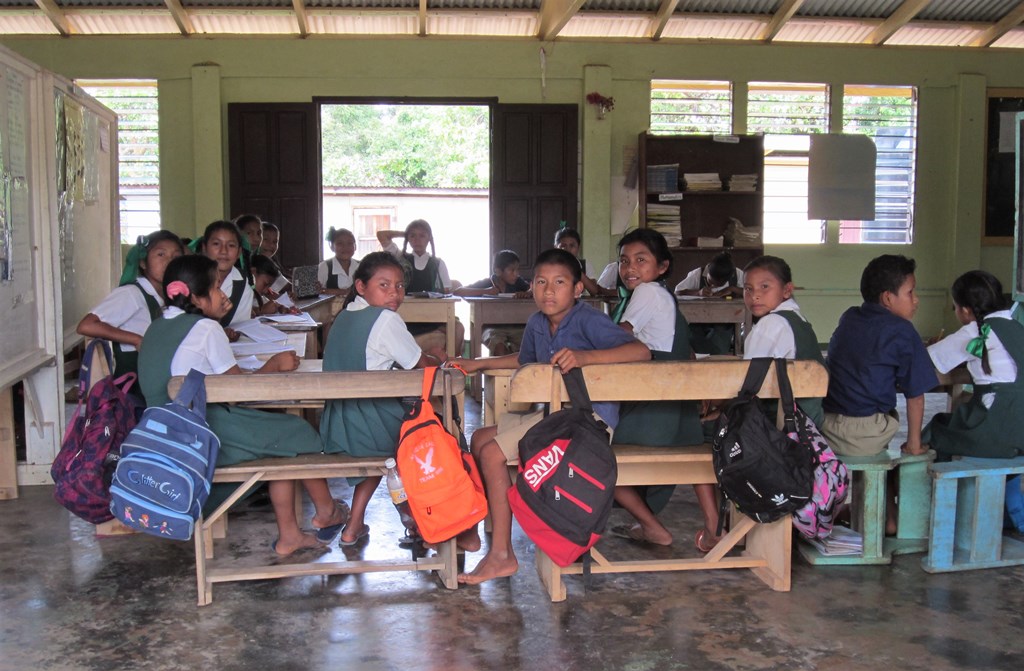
[[700, 353]]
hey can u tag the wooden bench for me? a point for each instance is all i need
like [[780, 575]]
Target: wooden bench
[[967, 516], [299, 390], [768, 546], [868, 512]]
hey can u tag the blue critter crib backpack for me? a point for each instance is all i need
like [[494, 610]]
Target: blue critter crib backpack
[[167, 462]]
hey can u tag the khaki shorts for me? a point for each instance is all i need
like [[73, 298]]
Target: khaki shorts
[[512, 426], [511, 337], [860, 436]]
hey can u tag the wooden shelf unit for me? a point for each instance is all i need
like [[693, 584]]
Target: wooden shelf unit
[[706, 213]]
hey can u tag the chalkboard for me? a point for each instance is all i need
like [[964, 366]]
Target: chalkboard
[[1001, 163]]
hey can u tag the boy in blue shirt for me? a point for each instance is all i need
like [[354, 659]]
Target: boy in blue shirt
[[565, 333], [875, 352]]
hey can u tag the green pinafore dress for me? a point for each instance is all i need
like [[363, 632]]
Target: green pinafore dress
[[244, 433], [361, 427], [428, 279], [807, 349], [976, 431], [128, 362]]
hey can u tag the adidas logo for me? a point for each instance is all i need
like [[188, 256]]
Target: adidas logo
[[779, 499], [735, 451]]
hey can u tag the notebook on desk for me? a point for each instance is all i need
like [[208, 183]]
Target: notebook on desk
[[304, 281]]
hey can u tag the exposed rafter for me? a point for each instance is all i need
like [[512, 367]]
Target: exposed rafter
[[180, 16], [300, 17], [901, 17], [660, 19], [554, 14], [423, 17], [784, 13], [1012, 19], [56, 16]]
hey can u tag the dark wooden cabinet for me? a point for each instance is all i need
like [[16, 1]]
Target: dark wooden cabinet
[[704, 213]]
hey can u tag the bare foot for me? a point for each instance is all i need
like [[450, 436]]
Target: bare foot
[[489, 568], [636, 532], [338, 516], [468, 540], [283, 547], [891, 527]]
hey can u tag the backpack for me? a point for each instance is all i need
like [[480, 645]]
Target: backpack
[[444, 489], [167, 462], [831, 480], [85, 463], [763, 471], [567, 474]]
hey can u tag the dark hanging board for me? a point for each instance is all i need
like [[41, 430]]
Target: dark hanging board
[[1018, 234], [1001, 164]]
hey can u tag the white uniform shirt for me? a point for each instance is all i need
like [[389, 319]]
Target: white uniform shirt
[[390, 341], [205, 348], [692, 280], [652, 312], [244, 311], [333, 266], [420, 262], [951, 351], [125, 308], [609, 278], [772, 335]]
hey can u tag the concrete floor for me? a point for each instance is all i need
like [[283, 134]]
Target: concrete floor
[[72, 601]]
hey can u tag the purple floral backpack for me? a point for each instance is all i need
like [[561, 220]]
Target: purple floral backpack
[[831, 480], [88, 454]]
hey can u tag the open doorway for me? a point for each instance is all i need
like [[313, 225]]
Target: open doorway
[[386, 164]]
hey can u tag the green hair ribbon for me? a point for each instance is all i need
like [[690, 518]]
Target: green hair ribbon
[[976, 346]]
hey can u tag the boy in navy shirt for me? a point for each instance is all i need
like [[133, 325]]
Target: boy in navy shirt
[[567, 334], [875, 352]]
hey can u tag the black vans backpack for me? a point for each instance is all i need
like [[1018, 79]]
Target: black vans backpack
[[567, 473], [759, 468]]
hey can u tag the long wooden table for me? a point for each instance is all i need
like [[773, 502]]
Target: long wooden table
[[718, 311], [323, 310], [415, 310]]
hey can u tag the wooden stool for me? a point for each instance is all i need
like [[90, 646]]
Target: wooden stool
[[868, 509], [967, 516]]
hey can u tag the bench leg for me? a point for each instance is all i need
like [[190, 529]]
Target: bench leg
[[913, 509], [550, 576], [773, 543], [986, 518], [869, 514], [448, 553], [943, 524], [204, 587]]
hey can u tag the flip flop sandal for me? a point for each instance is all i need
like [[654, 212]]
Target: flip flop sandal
[[327, 535], [701, 538], [634, 533], [362, 534]]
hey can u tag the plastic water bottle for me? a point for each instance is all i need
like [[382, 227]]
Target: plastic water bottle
[[401, 501]]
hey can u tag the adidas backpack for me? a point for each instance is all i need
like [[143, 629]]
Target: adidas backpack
[[85, 463], [759, 467], [167, 462], [567, 474], [443, 486]]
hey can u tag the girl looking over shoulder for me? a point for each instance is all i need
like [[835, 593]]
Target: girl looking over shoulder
[[649, 313], [368, 334], [124, 315], [189, 336], [335, 275], [222, 242]]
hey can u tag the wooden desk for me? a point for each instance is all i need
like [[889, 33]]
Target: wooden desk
[[718, 311], [311, 345], [415, 310], [323, 310]]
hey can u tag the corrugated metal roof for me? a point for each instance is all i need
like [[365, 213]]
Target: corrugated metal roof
[[512, 24], [364, 23], [484, 4], [764, 7], [966, 10], [194, 5], [696, 28], [364, 4], [34, 23], [24, 4], [231, 22], [933, 33], [620, 6], [832, 32], [607, 25], [1011, 40], [108, 4], [868, 9], [122, 23]]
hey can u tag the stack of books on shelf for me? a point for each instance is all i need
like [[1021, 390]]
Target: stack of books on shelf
[[663, 178], [841, 542], [743, 183], [738, 235], [664, 218], [702, 181]]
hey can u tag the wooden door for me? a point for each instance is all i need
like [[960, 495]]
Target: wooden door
[[274, 172], [534, 167]]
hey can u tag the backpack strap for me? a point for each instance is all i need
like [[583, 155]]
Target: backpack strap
[[756, 372], [577, 388], [85, 371], [786, 396], [429, 375], [193, 392]]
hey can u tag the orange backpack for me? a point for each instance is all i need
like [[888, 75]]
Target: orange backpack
[[446, 495]]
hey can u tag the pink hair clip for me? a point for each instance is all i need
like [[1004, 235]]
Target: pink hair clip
[[177, 288]]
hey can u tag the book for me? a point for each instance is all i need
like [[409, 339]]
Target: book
[[304, 281]]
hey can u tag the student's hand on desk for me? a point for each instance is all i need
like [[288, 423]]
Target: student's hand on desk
[[567, 359], [468, 365], [232, 334], [524, 294], [282, 362]]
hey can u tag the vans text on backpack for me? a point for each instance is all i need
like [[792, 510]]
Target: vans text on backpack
[[167, 463]]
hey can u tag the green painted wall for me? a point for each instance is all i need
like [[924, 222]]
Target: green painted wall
[[951, 85]]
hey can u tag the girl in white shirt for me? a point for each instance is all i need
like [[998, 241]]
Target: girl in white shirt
[[222, 242], [125, 314], [335, 274], [189, 337]]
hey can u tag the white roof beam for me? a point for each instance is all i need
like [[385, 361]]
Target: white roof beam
[[1012, 19], [180, 16], [660, 20], [423, 17], [784, 13], [901, 17], [56, 16], [300, 17], [554, 14]]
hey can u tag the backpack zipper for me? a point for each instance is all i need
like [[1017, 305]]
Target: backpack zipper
[[559, 493], [573, 468]]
